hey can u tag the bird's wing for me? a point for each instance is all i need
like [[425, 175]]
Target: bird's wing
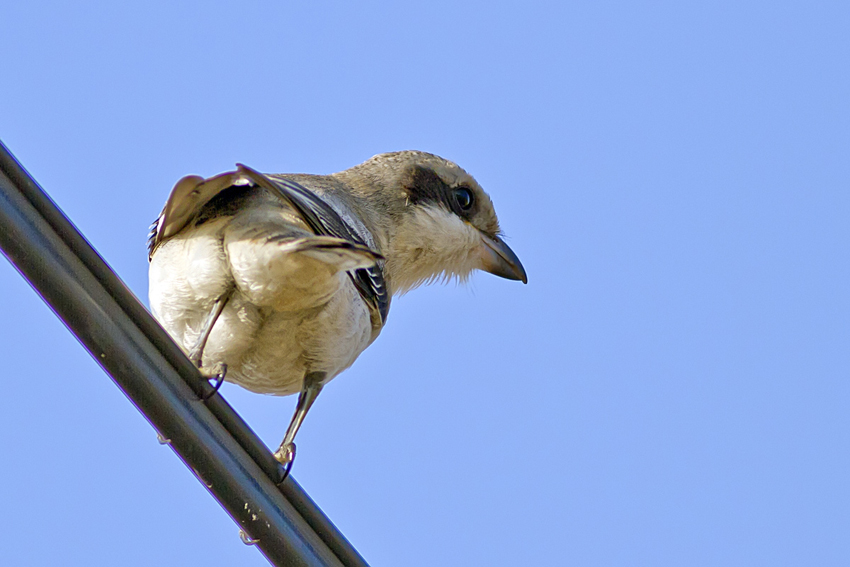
[[191, 193], [185, 202], [324, 220]]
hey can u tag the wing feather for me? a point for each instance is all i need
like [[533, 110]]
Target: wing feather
[[185, 202], [324, 220], [192, 193]]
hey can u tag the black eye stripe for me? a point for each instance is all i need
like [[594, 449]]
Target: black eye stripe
[[425, 187]]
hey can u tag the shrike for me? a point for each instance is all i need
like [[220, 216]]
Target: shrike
[[279, 282]]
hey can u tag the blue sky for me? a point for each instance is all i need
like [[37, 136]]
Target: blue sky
[[670, 388]]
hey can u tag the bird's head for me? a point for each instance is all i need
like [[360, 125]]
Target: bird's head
[[434, 220]]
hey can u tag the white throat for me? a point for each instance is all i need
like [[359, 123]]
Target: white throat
[[431, 244]]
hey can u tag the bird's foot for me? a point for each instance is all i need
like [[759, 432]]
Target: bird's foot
[[216, 375], [285, 455]]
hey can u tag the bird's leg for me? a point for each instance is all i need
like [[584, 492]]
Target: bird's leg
[[285, 454], [196, 355], [197, 352]]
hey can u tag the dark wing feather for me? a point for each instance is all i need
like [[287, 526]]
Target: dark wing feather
[[324, 220]]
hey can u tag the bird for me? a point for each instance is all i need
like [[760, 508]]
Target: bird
[[277, 282]]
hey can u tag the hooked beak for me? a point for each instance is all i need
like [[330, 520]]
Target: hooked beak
[[498, 259]]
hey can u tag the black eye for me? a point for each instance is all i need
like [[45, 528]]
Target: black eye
[[463, 198]]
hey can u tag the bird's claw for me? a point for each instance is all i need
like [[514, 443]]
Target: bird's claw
[[216, 375], [285, 455]]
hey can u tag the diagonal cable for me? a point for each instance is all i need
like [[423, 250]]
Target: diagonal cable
[[211, 438]]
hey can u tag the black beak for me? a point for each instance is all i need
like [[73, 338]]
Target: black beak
[[498, 259]]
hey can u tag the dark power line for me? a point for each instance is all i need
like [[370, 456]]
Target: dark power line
[[210, 437]]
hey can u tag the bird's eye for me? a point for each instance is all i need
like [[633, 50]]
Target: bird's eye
[[463, 197]]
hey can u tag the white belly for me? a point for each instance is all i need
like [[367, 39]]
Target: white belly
[[267, 348], [275, 350]]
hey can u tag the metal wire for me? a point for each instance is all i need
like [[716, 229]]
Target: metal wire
[[210, 437]]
